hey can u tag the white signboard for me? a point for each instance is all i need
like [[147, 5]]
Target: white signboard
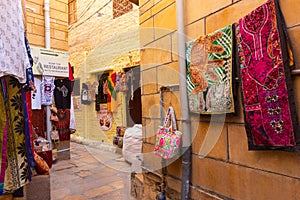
[[49, 62]]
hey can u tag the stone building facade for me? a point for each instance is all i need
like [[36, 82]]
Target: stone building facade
[[58, 23], [229, 170], [103, 38]]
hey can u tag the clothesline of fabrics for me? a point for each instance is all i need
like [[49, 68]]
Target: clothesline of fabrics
[[19, 100], [257, 50]]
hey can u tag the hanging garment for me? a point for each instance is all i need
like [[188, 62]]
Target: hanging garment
[[84, 94], [47, 90], [29, 71], [71, 72], [39, 121], [209, 75], [13, 54], [26, 100], [63, 124], [72, 117], [36, 95], [62, 93], [3, 133], [16, 174], [270, 114]]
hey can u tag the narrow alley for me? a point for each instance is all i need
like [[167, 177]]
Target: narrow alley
[[90, 174]]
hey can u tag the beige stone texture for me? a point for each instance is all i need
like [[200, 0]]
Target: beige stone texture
[[58, 24], [151, 129], [165, 22], [297, 94], [294, 34], [149, 81], [144, 2], [210, 139], [36, 40], [173, 99], [230, 14], [146, 6], [161, 5], [58, 5], [151, 162], [168, 74], [174, 167], [146, 32], [290, 8], [238, 182], [197, 9], [155, 56], [145, 16], [200, 194], [151, 106], [195, 30], [285, 163]]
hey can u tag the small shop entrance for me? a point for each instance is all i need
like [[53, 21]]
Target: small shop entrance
[[133, 97]]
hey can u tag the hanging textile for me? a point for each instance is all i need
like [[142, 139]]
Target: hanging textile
[[112, 94], [270, 114], [209, 73], [13, 54], [3, 134], [36, 95], [26, 100], [47, 90], [16, 173], [29, 72], [63, 124], [62, 93], [84, 94], [38, 122]]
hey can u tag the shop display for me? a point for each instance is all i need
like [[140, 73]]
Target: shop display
[[266, 82], [210, 73]]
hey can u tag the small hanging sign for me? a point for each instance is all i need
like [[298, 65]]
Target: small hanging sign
[[49, 62]]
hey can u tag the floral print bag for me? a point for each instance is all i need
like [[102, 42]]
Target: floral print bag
[[168, 138]]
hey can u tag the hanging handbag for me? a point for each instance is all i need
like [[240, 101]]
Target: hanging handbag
[[168, 138]]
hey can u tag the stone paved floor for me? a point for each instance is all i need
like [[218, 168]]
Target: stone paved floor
[[90, 174]]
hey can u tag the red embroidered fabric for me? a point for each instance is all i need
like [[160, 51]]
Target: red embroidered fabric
[[264, 77]]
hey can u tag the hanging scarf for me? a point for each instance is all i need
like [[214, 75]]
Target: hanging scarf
[[270, 114], [3, 134], [209, 73], [16, 174]]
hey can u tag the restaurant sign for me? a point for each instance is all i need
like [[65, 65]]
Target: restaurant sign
[[49, 62]]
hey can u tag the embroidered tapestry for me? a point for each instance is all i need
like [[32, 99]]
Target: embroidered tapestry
[[209, 73], [265, 77]]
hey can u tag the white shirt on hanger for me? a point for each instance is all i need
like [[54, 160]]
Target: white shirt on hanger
[[13, 55]]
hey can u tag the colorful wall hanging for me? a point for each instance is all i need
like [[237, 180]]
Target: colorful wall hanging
[[270, 114], [209, 73]]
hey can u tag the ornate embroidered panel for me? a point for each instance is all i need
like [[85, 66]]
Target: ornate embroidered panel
[[265, 77], [209, 73]]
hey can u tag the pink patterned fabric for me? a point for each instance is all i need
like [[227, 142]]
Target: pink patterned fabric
[[264, 77]]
